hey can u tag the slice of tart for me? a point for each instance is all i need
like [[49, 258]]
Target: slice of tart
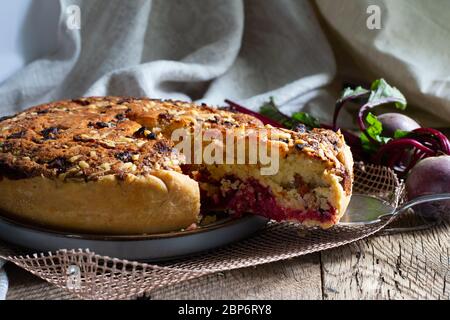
[[312, 183], [111, 165]]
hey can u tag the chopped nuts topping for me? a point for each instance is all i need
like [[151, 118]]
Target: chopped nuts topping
[[140, 144], [125, 140], [84, 138], [128, 165], [83, 164], [105, 166], [108, 143], [74, 158], [105, 136]]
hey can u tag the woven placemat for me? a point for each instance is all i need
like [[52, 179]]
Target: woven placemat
[[100, 277]]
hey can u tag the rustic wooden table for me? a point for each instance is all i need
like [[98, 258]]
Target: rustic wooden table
[[401, 266]]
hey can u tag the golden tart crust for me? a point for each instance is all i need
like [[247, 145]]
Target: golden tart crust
[[107, 164]]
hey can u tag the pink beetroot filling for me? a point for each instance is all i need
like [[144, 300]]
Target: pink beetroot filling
[[259, 200]]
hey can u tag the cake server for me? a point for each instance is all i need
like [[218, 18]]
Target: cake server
[[365, 209]]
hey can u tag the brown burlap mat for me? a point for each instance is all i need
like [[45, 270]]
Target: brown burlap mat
[[109, 278]]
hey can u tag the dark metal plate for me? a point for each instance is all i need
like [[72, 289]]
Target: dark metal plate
[[152, 247]]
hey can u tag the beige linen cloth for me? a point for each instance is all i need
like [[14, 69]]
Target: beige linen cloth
[[297, 51]]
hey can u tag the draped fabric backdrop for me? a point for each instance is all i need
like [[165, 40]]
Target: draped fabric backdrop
[[243, 50], [297, 51]]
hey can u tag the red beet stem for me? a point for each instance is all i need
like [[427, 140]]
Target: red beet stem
[[264, 119], [400, 144], [337, 110], [443, 140]]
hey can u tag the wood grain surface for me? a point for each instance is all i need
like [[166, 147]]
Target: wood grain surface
[[413, 265], [402, 266]]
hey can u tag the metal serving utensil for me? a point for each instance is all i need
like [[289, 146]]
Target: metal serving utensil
[[365, 210]]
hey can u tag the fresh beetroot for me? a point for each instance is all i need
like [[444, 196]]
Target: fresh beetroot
[[431, 175], [396, 121]]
